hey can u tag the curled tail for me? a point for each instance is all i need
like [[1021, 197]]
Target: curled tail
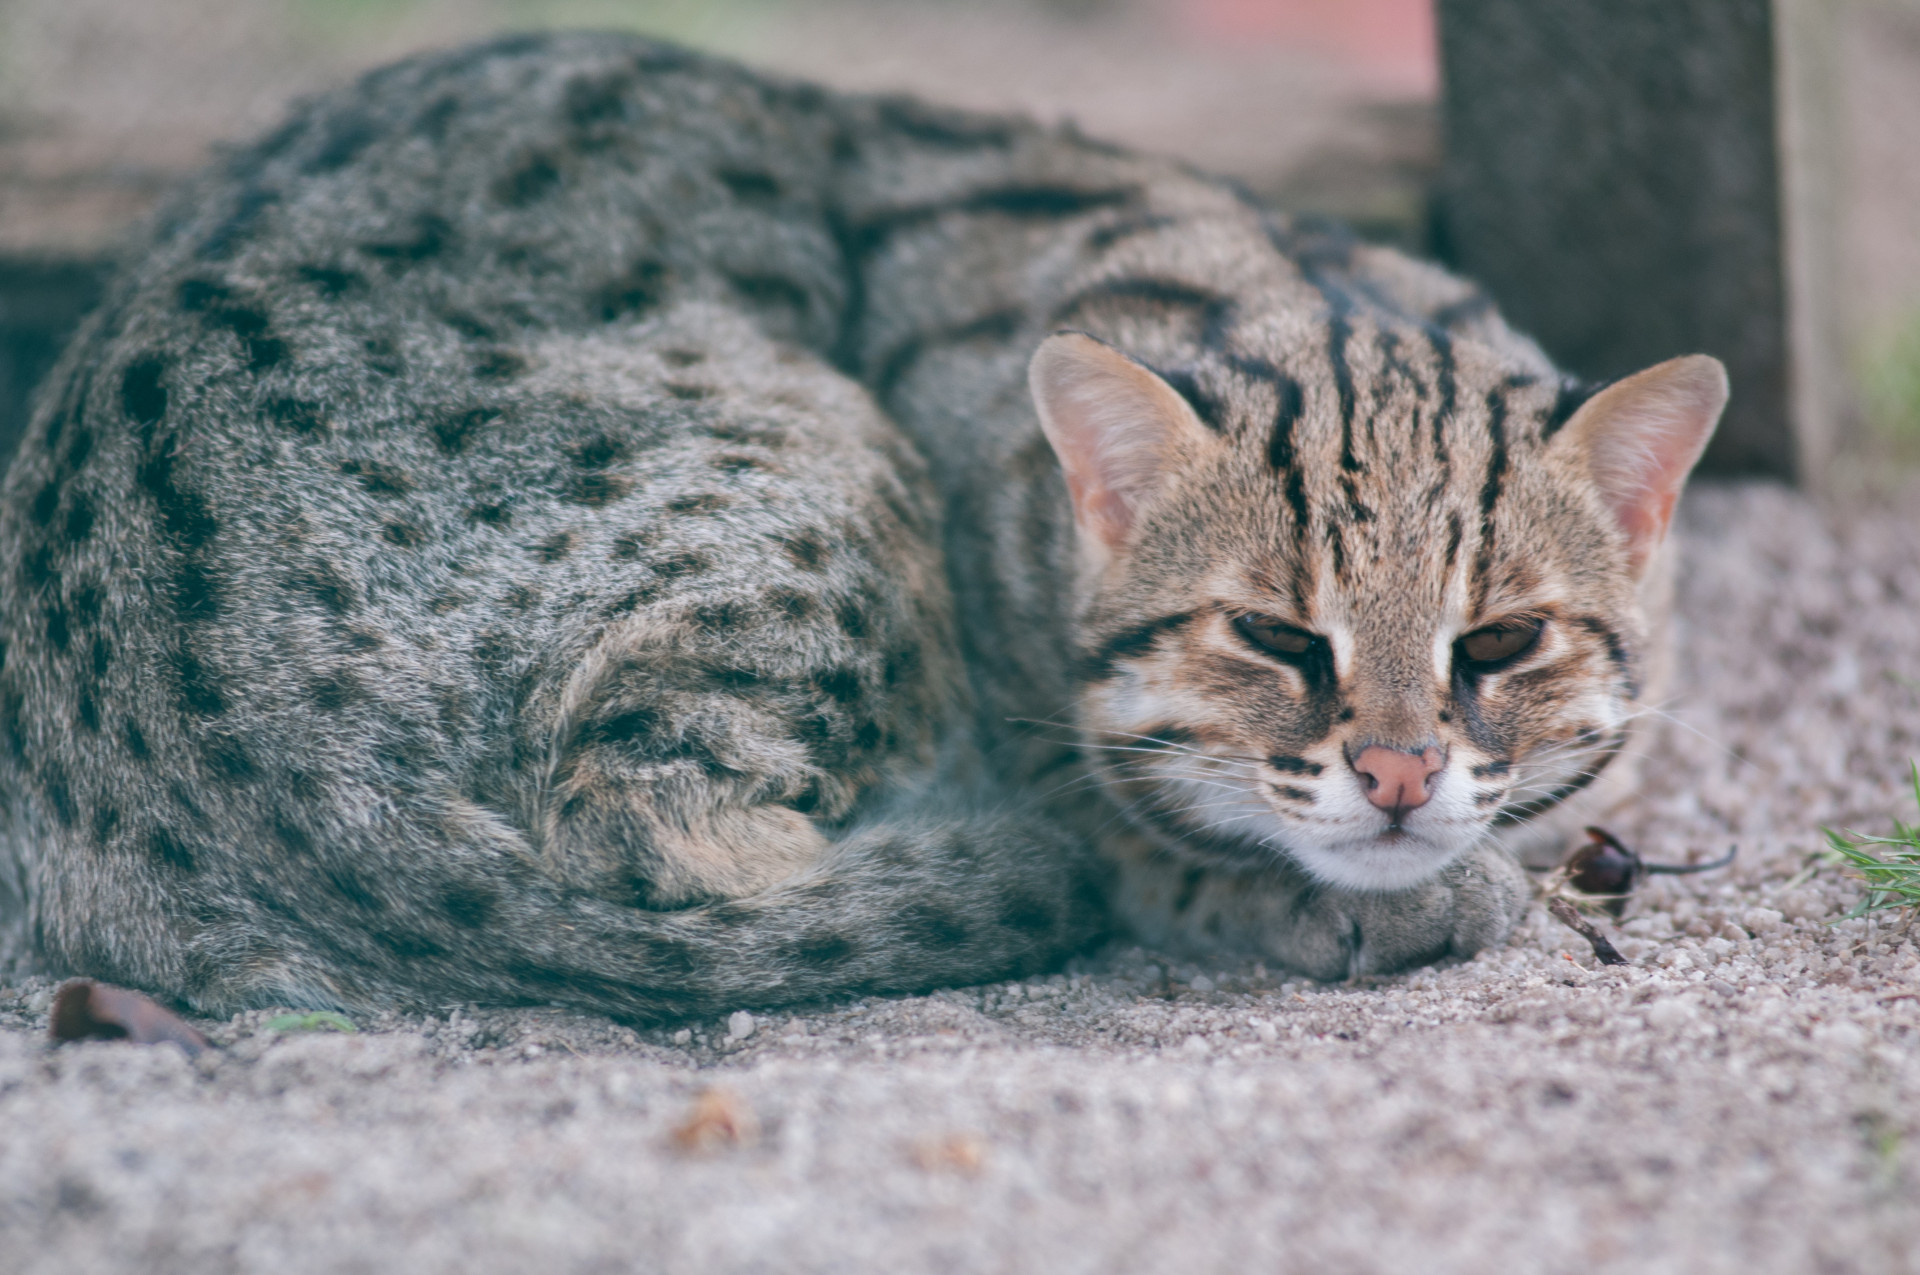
[[898, 904]]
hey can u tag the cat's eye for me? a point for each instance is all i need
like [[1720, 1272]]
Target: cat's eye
[[1274, 636], [1498, 643]]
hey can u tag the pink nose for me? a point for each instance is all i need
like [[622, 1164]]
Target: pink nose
[[1397, 780]]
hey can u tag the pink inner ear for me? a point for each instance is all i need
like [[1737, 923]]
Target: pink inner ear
[[1114, 424], [1642, 437]]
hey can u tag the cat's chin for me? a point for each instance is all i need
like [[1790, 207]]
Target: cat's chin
[[1390, 861]]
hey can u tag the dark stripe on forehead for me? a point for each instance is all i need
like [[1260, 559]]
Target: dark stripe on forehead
[[1397, 364], [1129, 644], [1490, 494], [1289, 403], [1297, 501], [1339, 332], [1337, 546], [1443, 384], [1454, 533], [1286, 414], [1319, 249], [1356, 509], [1300, 578], [1497, 462]]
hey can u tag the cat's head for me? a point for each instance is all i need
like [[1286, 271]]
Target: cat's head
[[1375, 602]]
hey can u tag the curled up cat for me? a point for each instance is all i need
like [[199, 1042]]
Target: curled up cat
[[570, 519]]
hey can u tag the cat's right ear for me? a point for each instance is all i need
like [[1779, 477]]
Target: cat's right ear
[[1118, 429], [1641, 437]]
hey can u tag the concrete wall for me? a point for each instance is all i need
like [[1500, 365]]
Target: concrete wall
[[1612, 174]]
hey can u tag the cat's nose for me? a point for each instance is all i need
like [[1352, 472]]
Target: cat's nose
[[1396, 780]]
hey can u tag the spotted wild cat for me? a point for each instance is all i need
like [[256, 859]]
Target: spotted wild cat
[[572, 519]]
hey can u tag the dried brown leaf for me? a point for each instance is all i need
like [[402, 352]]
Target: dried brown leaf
[[955, 1153], [86, 1010], [718, 1119]]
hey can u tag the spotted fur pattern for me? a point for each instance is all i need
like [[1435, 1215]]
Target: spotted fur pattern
[[496, 542]]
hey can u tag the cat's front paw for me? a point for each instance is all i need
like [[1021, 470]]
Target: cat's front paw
[[1329, 934], [1473, 903]]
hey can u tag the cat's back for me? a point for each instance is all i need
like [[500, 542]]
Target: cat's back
[[399, 415]]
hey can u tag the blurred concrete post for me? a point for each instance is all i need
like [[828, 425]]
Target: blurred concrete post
[[1637, 179]]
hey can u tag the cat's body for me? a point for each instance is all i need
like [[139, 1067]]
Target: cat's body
[[457, 562]]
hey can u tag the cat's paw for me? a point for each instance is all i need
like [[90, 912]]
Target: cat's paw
[[1330, 934], [1472, 904]]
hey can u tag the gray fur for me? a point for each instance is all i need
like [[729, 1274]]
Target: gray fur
[[460, 560]]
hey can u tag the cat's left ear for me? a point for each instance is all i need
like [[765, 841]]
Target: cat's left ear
[[1641, 437], [1118, 429]]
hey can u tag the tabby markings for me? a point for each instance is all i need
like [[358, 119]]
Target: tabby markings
[[1617, 652], [950, 129], [431, 234], [1590, 771], [1215, 312], [1446, 389], [1339, 332], [1567, 399], [997, 325], [1022, 202], [1128, 644], [1490, 489], [1105, 237], [1497, 460]]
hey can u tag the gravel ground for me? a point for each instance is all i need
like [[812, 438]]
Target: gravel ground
[[1744, 1097]]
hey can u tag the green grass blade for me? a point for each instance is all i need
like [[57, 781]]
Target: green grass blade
[[1892, 876]]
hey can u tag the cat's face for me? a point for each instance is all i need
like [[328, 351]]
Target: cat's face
[[1376, 605]]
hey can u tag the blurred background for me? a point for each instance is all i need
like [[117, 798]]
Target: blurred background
[[1327, 106]]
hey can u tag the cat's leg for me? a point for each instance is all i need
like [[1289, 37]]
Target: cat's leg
[[1326, 933]]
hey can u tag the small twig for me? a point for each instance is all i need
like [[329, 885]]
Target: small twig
[[1603, 948]]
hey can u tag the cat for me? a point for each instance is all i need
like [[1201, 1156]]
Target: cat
[[574, 520]]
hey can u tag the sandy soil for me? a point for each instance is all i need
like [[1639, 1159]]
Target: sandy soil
[[1744, 1098]]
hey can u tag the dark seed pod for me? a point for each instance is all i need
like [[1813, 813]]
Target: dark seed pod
[[1606, 868], [1610, 871]]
